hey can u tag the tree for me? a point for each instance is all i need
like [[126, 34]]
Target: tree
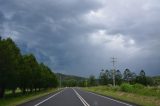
[[133, 78], [127, 75], [82, 83], [9, 65], [38, 75], [92, 81], [16, 57], [141, 78], [142, 73], [32, 64], [22, 71], [118, 77], [149, 81], [104, 77]]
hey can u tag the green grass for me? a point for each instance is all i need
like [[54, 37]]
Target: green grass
[[141, 90], [19, 98], [146, 96]]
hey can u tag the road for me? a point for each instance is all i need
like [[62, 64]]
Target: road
[[75, 97]]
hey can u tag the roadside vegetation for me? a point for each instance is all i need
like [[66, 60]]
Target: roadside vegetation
[[22, 72], [19, 97], [130, 87], [146, 96]]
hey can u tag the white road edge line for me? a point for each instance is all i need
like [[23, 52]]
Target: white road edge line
[[110, 99], [80, 97], [48, 98]]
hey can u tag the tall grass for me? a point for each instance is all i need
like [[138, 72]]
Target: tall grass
[[140, 89], [138, 94]]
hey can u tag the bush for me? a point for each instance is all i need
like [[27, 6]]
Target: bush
[[116, 88], [127, 87], [138, 86]]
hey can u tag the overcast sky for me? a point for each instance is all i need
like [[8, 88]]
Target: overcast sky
[[79, 37]]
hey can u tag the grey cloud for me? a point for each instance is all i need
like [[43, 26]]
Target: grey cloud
[[57, 33]]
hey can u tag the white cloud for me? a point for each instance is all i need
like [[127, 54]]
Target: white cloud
[[114, 43], [131, 41]]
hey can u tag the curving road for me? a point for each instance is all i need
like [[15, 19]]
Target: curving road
[[75, 97]]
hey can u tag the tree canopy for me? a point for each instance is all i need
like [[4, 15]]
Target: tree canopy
[[23, 71]]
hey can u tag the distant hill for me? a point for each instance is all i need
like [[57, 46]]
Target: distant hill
[[69, 77]]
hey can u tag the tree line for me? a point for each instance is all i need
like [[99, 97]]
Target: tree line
[[22, 71], [70, 80], [106, 77]]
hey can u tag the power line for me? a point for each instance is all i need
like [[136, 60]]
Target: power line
[[113, 70]]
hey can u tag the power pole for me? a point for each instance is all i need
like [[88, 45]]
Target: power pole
[[113, 70]]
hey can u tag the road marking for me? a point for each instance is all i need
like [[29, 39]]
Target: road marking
[[47, 98], [110, 99], [80, 97]]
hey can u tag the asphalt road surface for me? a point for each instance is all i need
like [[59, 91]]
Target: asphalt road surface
[[75, 97]]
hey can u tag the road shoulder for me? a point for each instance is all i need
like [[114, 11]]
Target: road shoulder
[[39, 99]]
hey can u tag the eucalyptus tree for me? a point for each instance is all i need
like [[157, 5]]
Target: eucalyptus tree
[[118, 77], [104, 77], [92, 80], [127, 75], [142, 79]]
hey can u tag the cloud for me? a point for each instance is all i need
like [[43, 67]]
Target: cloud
[[80, 36]]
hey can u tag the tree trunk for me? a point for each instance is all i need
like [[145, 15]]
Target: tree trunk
[[13, 91], [31, 89], [2, 90], [24, 90]]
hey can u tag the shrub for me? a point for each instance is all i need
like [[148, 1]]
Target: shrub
[[127, 87], [138, 86], [116, 88], [109, 85]]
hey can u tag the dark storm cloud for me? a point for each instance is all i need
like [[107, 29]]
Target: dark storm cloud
[[2, 20], [79, 36]]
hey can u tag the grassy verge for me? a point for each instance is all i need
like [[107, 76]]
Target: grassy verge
[[17, 99], [125, 96]]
